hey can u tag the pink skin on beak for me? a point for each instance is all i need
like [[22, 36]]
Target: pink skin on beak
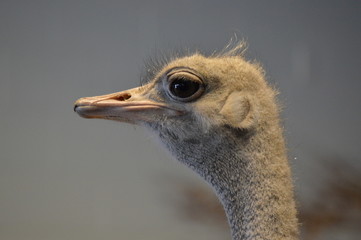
[[127, 106]]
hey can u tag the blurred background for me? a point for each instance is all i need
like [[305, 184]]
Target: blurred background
[[63, 177]]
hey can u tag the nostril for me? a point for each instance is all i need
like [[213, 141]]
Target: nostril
[[123, 97]]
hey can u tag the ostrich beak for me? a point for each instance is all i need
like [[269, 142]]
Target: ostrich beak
[[128, 106]]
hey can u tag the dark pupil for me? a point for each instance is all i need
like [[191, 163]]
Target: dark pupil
[[184, 88]]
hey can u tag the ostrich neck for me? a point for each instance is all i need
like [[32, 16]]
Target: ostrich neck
[[256, 192], [251, 178]]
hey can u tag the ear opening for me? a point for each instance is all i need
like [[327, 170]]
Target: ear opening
[[239, 111]]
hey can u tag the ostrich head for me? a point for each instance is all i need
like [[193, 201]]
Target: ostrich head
[[217, 115], [190, 101]]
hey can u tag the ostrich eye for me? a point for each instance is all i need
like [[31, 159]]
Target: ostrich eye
[[185, 86]]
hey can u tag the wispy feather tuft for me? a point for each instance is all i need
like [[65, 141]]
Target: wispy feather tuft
[[234, 48], [160, 58]]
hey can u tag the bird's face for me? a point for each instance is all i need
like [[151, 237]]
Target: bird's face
[[163, 98], [187, 97]]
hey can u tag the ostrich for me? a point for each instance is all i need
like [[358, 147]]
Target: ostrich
[[217, 115]]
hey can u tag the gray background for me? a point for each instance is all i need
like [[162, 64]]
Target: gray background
[[63, 177]]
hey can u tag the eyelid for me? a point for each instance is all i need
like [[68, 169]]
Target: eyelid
[[182, 70], [185, 75]]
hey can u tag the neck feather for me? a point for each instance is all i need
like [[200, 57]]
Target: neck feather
[[251, 177], [258, 197]]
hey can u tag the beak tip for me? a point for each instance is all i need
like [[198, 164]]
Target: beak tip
[[78, 103]]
